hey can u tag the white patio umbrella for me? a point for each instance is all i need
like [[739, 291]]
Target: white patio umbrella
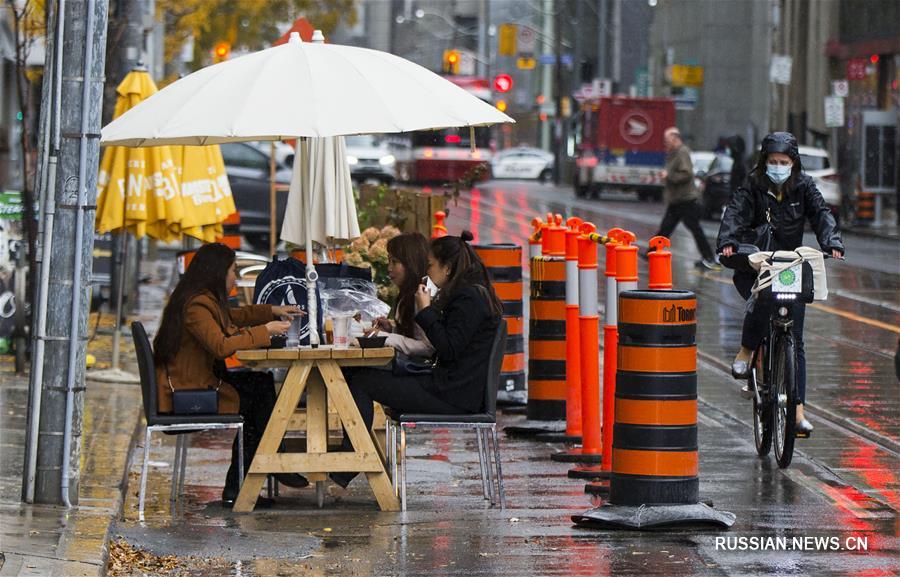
[[322, 179], [300, 90]]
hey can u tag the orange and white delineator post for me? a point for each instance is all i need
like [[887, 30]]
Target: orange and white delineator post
[[439, 229], [589, 328], [573, 340], [610, 346], [534, 240], [660, 260]]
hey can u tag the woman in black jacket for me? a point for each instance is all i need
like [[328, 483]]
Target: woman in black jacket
[[779, 194], [460, 322]]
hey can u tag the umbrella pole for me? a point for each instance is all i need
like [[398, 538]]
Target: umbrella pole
[[272, 200], [311, 274]]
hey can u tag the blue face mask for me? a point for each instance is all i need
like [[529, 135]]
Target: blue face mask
[[778, 173]]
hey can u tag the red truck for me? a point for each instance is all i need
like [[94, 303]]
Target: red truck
[[621, 145]]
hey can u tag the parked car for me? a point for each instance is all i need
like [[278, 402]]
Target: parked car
[[817, 164], [523, 162], [248, 174], [716, 189], [284, 152], [371, 157]]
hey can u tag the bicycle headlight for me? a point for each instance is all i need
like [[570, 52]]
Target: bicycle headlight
[[782, 311]]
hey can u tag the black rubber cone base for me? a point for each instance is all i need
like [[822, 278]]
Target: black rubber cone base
[[588, 473], [512, 409], [597, 488], [575, 456], [557, 438], [653, 517], [532, 428]]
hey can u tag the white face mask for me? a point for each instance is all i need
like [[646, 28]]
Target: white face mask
[[778, 173]]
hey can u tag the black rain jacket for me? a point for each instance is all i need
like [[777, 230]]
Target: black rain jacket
[[462, 335], [751, 202]]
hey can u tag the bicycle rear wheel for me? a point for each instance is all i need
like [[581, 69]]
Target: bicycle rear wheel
[[785, 398], [762, 409]]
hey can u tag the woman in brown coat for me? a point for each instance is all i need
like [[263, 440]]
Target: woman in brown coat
[[199, 330]]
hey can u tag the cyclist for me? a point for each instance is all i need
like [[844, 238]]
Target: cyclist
[[769, 211]]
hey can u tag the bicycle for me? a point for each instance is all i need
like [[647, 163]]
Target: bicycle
[[772, 379]]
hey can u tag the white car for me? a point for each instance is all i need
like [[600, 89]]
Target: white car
[[523, 162], [371, 157], [702, 160], [817, 164]]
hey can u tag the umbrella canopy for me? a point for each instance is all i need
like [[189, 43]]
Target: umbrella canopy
[[300, 89], [137, 188], [205, 191], [322, 180]]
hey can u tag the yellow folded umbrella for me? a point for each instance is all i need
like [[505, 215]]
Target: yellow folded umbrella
[[205, 191], [138, 188]]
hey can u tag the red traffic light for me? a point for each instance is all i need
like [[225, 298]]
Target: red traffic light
[[503, 83]]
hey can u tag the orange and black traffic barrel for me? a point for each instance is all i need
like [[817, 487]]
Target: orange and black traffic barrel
[[504, 265], [654, 458], [865, 206], [547, 340]]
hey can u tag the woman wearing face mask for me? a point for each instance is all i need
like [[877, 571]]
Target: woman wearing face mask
[[779, 193], [460, 323], [407, 263]]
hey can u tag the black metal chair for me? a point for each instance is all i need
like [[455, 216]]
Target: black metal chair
[[484, 424], [180, 425]]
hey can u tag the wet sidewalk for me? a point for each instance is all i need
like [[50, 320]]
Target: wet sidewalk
[[46, 540]]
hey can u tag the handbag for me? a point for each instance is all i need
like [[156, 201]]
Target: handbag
[[194, 401], [406, 366]]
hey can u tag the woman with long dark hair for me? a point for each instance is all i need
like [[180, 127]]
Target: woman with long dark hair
[[460, 323], [407, 264], [199, 329], [779, 196]]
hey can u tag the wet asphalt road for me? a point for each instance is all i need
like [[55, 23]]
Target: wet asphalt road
[[843, 483]]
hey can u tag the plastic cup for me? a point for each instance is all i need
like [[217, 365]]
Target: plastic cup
[[293, 334], [341, 332]]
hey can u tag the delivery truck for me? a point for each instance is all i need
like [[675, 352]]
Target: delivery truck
[[620, 146]]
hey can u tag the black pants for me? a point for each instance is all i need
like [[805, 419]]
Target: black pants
[[756, 326], [689, 212], [405, 394], [257, 393]]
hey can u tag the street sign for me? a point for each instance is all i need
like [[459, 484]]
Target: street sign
[[507, 40], [642, 82], [685, 97], [546, 59], [684, 75], [780, 70], [526, 63], [834, 111], [526, 39], [565, 59], [840, 88]]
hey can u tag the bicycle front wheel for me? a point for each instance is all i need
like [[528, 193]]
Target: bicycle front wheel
[[762, 409], [785, 402]]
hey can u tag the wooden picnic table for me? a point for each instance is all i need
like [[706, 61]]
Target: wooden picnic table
[[318, 372]]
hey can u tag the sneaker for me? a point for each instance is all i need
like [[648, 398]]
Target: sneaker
[[710, 264], [803, 429]]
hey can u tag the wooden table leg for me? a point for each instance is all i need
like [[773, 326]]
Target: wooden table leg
[[359, 435], [317, 427], [274, 433]]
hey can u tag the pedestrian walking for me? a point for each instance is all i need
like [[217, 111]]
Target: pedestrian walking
[[682, 197]]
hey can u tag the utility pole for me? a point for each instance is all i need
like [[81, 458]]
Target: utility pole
[[546, 71], [75, 192], [558, 95], [601, 38]]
